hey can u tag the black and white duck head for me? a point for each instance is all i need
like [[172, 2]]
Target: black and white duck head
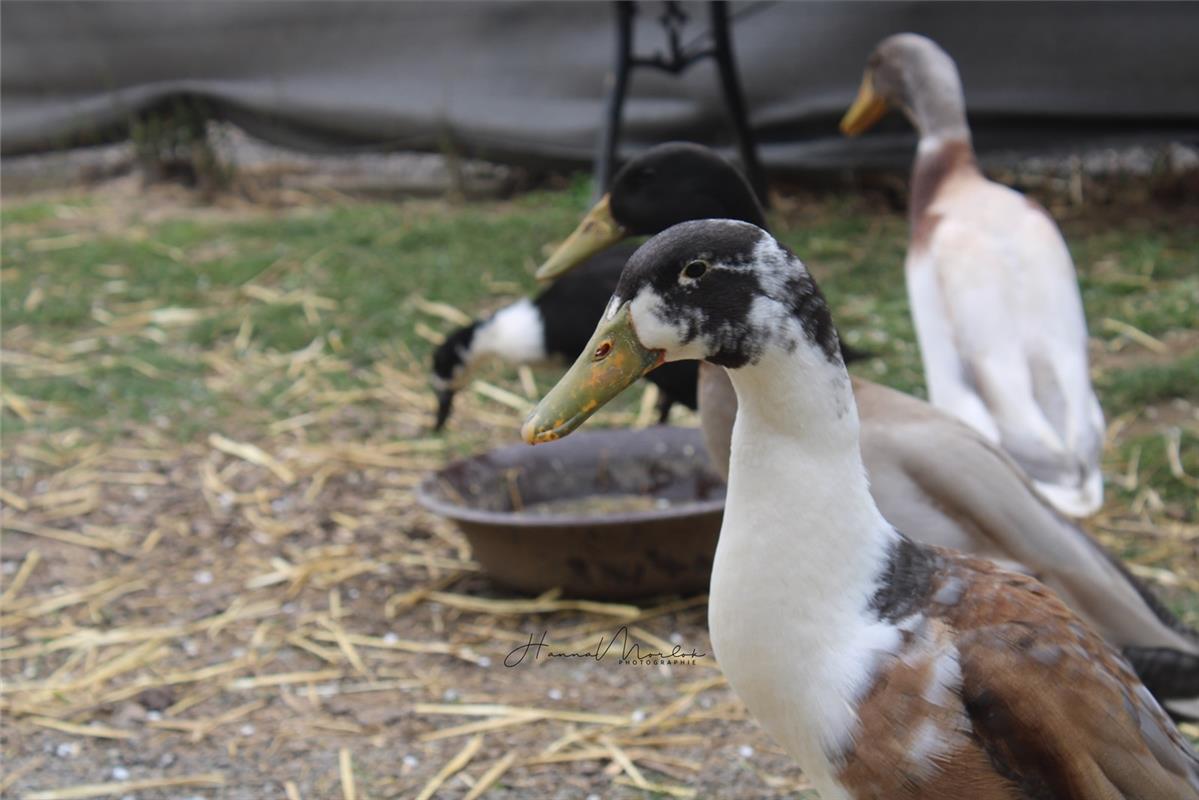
[[451, 367], [721, 291]]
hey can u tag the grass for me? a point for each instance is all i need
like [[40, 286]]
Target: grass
[[369, 261], [346, 275]]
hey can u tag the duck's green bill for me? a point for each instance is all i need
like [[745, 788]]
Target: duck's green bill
[[598, 231], [613, 360], [867, 109]]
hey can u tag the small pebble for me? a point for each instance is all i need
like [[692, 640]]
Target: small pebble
[[203, 577], [246, 730], [745, 751], [120, 774], [450, 695], [555, 694], [67, 750], [484, 661], [411, 761], [639, 715]]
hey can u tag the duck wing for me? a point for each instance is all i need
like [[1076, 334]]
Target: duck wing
[[942, 481]]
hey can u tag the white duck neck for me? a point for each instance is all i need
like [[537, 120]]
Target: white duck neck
[[937, 107], [801, 554], [799, 504]]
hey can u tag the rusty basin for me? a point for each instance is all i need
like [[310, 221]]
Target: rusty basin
[[508, 503]]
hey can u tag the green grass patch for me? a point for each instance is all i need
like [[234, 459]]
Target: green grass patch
[[1135, 387], [364, 262]]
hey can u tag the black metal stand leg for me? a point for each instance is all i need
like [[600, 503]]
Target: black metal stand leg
[[605, 158], [735, 101]]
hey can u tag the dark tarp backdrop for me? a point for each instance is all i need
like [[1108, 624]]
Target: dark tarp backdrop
[[524, 82]]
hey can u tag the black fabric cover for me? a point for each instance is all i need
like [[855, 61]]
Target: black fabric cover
[[520, 81]]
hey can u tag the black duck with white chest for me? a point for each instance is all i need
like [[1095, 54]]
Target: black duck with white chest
[[553, 326], [888, 669]]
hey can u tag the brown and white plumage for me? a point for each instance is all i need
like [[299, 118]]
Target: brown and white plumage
[[888, 669], [992, 287], [929, 473], [986, 653]]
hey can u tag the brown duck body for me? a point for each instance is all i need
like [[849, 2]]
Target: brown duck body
[[998, 693]]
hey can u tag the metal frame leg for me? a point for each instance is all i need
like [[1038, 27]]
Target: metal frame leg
[[609, 143], [735, 101]]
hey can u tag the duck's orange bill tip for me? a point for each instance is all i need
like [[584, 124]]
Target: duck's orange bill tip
[[613, 360], [867, 109], [531, 435], [598, 231]]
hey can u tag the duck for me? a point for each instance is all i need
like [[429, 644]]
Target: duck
[[930, 474], [991, 285], [552, 326], [886, 668]]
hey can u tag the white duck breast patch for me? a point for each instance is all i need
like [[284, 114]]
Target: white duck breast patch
[[515, 333]]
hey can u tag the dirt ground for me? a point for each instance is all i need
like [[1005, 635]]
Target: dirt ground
[[196, 613], [267, 612]]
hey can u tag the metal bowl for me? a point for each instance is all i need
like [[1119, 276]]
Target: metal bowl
[[625, 555]]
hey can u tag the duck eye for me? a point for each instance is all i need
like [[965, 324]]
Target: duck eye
[[695, 269], [602, 351]]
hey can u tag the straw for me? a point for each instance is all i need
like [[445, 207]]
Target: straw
[[126, 787], [453, 766]]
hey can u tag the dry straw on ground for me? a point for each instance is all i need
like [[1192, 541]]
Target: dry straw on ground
[[267, 612], [268, 607]]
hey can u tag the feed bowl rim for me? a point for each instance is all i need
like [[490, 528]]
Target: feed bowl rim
[[428, 495]]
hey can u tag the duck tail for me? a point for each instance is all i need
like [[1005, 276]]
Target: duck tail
[[1170, 675]]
